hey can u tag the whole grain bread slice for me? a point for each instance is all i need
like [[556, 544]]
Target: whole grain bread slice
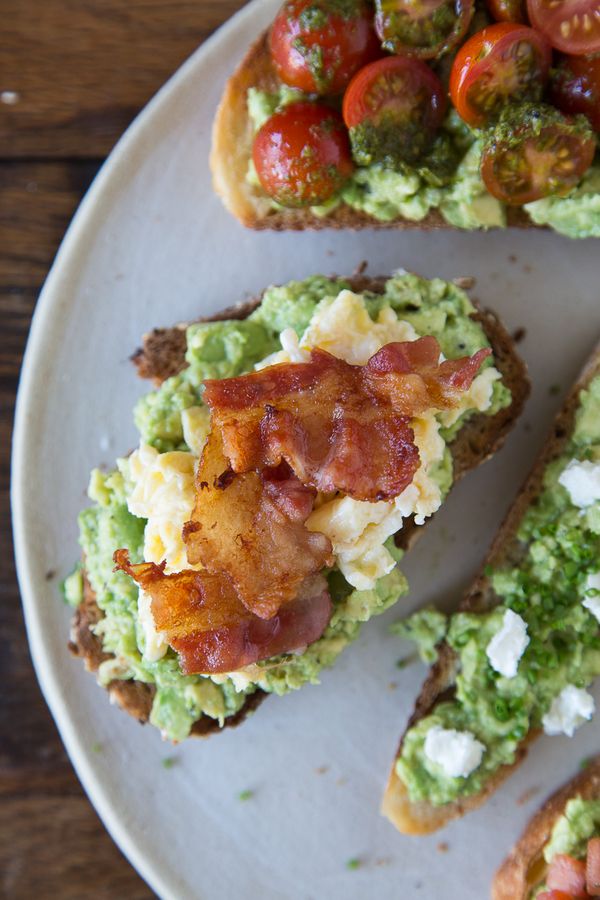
[[525, 868], [506, 550], [232, 140], [163, 355]]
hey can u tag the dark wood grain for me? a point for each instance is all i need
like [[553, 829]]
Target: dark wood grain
[[82, 70]]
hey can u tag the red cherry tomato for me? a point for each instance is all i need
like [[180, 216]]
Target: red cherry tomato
[[318, 45], [392, 109], [554, 895], [302, 155], [543, 155], [424, 28], [566, 873], [575, 87], [507, 10], [502, 63], [572, 26]]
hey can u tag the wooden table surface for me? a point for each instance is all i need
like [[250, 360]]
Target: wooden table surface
[[73, 74]]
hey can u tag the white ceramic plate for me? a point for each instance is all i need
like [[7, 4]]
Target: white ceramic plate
[[152, 245]]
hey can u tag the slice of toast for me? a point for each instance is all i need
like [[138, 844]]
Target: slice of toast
[[525, 868], [163, 355], [506, 550], [232, 140]]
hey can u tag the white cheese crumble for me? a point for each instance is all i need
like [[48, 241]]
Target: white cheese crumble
[[593, 603], [568, 711], [581, 479], [457, 752], [507, 646]]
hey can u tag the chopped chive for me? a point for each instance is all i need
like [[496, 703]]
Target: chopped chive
[[353, 863], [245, 795], [585, 762], [97, 747], [168, 762]]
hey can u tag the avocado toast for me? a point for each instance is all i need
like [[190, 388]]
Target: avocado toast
[[382, 146], [107, 631], [524, 643], [564, 825]]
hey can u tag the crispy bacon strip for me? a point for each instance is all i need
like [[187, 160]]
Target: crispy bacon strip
[[251, 527], [339, 426], [212, 631]]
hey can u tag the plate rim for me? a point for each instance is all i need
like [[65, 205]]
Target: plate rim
[[76, 232]]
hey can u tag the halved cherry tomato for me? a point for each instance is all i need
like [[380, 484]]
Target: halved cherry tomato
[[502, 63], [572, 26], [424, 28], [575, 87], [507, 10], [302, 154], [318, 45], [566, 873], [392, 109], [544, 154], [554, 895]]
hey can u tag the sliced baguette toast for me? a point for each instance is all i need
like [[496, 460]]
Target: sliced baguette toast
[[231, 151], [525, 868], [506, 550], [163, 355]]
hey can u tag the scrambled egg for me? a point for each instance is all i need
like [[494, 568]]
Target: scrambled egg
[[163, 489], [358, 529], [163, 493]]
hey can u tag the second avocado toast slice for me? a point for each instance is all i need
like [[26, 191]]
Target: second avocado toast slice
[[535, 598], [435, 306]]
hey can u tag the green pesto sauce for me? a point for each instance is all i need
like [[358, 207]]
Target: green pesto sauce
[[546, 590], [222, 349], [447, 179]]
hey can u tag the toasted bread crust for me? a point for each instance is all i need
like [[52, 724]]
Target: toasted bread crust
[[163, 355], [423, 818], [525, 869], [231, 151]]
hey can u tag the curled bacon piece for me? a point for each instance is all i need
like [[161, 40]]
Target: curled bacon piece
[[212, 631], [339, 426], [251, 527]]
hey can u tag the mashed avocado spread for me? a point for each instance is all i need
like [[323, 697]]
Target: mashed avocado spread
[[554, 590], [448, 181], [223, 349]]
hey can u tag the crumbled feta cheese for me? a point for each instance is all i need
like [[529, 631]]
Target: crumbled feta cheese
[[582, 482], [593, 603], [457, 752], [569, 710], [508, 645]]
